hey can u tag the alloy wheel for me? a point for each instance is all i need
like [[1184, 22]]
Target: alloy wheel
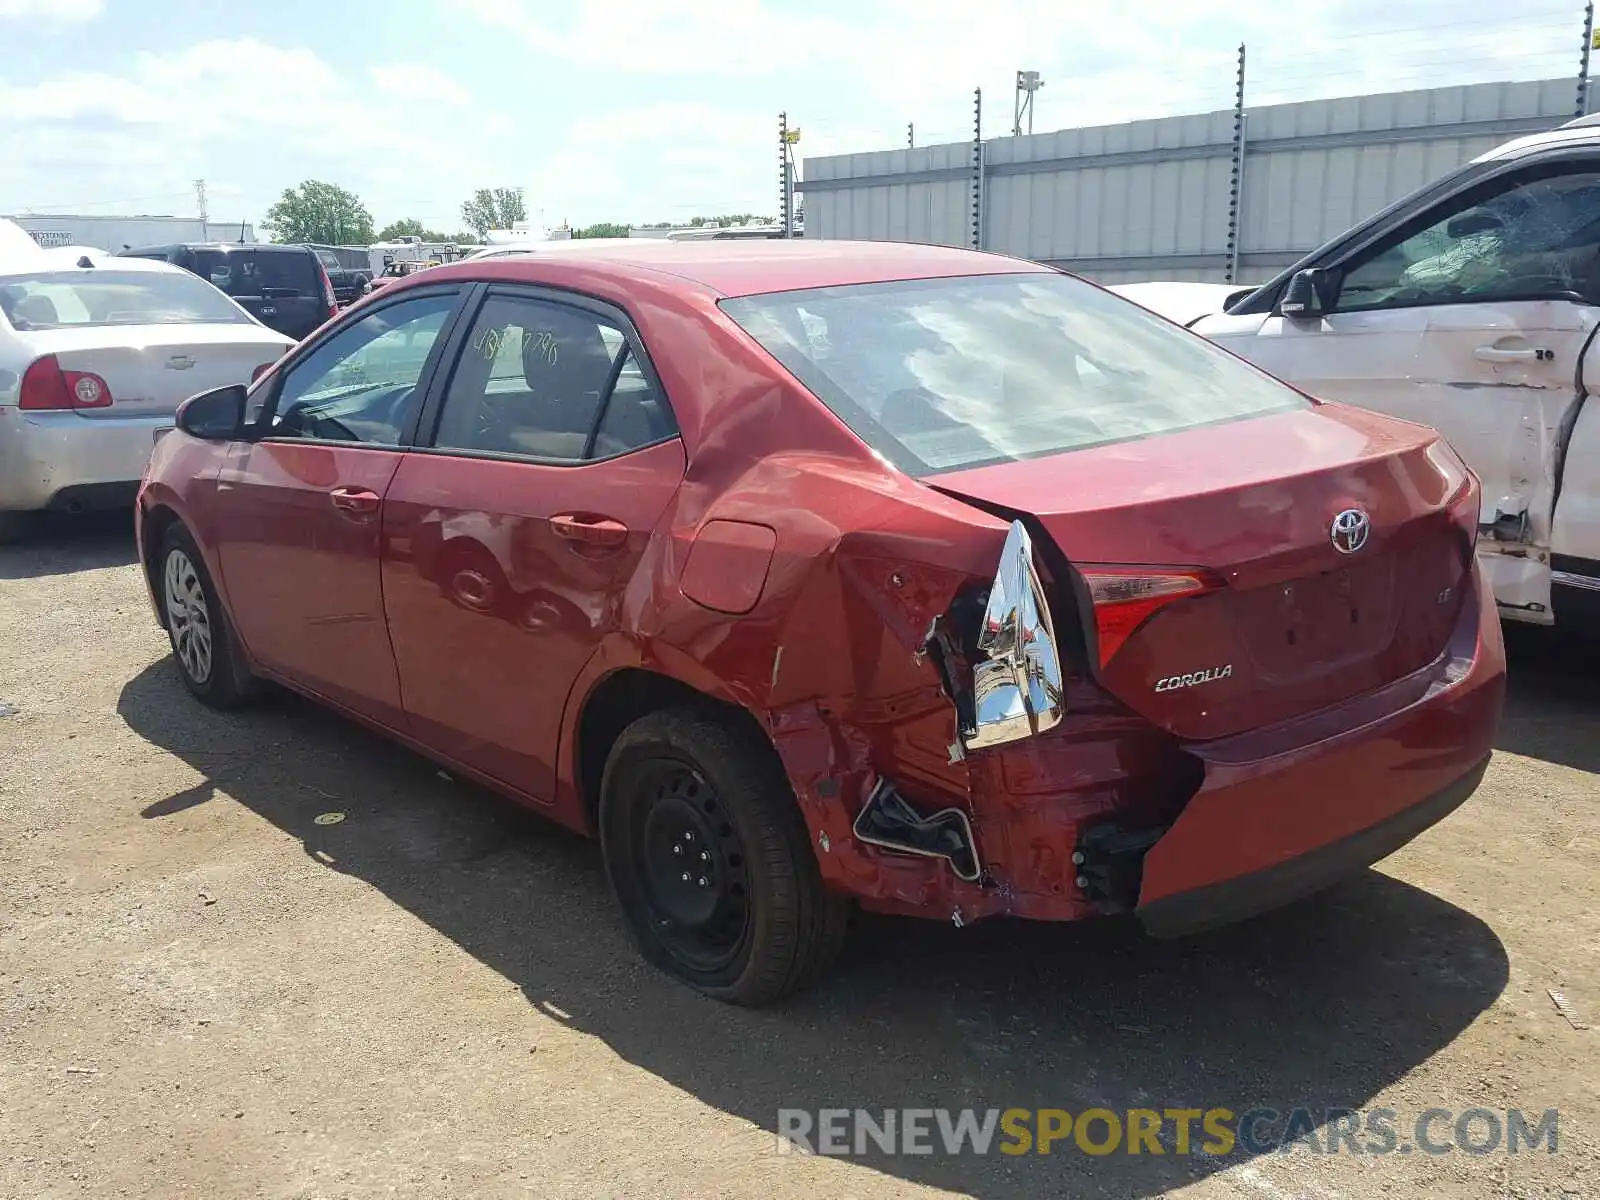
[[188, 616]]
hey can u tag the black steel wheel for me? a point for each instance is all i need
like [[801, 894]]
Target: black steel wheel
[[711, 861]]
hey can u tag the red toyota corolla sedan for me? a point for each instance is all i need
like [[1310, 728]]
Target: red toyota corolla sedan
[[805, 574]]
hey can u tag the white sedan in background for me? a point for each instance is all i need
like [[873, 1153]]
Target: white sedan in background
[[96, 354]]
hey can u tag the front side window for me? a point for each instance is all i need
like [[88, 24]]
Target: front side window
[[1527, 238], [361, 384], [84, 299], [944, 374], [547, 381]]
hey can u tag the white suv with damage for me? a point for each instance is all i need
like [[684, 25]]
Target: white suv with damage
[[1471, 306]]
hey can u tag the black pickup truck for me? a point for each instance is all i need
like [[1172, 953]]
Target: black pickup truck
[[348, 268]]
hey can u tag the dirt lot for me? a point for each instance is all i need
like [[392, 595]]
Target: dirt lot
[[206, 991]]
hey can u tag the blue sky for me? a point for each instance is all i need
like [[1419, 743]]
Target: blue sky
[[638, 110]]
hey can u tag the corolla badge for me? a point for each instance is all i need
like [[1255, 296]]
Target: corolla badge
[[1349, 531], [1173, 683]]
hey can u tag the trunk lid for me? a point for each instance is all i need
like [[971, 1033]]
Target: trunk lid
[[154, 368], [1286, 623]]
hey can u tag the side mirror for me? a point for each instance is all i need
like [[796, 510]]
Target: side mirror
[[1302, 299], [214, 416]]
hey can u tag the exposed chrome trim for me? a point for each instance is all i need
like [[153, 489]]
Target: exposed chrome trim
[[1017, 691], [1587, 582]]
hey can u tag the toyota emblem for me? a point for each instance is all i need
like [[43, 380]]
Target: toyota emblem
[[1350, 530]]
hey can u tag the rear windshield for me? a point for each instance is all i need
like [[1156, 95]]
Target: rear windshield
[[89, 298], [944, 374], [246, 272]]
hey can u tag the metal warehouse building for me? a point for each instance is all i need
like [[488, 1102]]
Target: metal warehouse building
[[117, 233], [1154, 199]]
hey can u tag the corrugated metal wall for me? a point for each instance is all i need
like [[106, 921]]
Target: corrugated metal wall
[[1149, 199]]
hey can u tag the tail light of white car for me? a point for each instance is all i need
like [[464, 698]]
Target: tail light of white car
[[46, 387], [261, 370]]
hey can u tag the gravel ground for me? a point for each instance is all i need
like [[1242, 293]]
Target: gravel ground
[[206, 990]]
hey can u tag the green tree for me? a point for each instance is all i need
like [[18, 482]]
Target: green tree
[[319, 212], [602, 229], [494, 208], [410, 227]]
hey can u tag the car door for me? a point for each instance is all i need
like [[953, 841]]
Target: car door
[[299, 501], [512, 535], [1471, 317]]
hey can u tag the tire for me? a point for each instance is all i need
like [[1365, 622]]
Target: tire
[[758, 926], [204, 647]]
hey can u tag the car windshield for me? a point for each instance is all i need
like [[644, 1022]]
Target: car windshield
[[944, 374], [81, 299]]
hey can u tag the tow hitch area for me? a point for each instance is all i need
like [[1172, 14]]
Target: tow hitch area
[[888, 820], [1110, 863]]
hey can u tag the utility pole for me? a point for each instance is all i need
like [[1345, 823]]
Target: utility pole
[[977, 168], [911, 135], [1028, 82], [1236, 183], [1583, 61], [200, 203]]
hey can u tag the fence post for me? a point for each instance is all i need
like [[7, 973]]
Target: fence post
[[785, 191], [1583, 60], [977, 168], [1236, 184]]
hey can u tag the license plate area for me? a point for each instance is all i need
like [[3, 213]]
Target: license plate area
[[1321, 622]]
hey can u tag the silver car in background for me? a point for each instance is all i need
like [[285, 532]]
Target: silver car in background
[[96, 354]]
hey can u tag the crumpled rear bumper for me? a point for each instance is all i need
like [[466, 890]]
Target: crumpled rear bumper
[[1287, 811]]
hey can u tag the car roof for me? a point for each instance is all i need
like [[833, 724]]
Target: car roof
[[1580, 132], [751, 267], [65, 260], [224, 246]]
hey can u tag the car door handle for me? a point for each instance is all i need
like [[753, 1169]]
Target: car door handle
[[598, 531], [356, 502], [1499, 354]]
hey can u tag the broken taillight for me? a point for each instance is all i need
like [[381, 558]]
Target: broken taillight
[[1126, 597]]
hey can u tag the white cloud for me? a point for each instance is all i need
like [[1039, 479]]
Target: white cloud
[[418, 81], [169, 117], [59, 11], [667, 37]]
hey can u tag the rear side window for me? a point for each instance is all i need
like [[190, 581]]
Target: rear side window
[[84, 299], [945, 374], [247, 272], [287, 269], [547, 381]]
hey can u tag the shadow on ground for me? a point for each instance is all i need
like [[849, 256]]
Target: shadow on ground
[[62, 544], [1322, 1005], [1553, 697]]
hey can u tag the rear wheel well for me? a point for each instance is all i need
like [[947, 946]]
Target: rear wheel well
[[620, 700]]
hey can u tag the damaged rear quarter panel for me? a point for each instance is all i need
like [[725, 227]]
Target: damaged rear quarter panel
[[830, 659]]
